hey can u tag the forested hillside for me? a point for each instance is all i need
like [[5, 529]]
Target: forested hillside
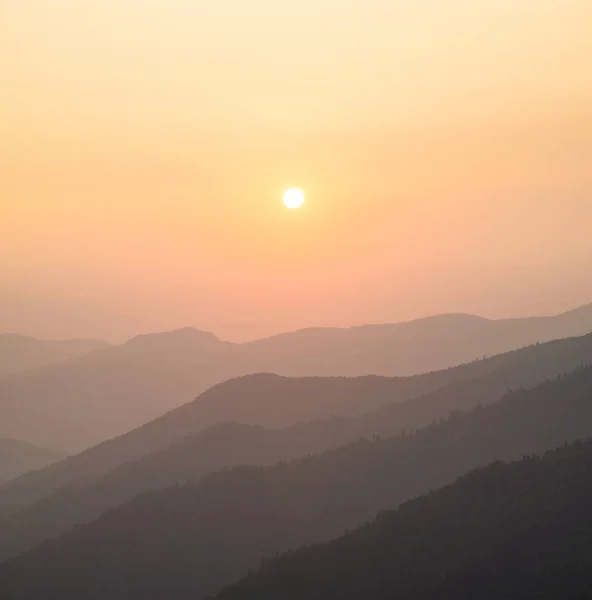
[[80, 496], [518, 531], [408, 403], [190, 541]]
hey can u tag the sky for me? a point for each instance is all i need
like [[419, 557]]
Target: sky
[[445, 150]]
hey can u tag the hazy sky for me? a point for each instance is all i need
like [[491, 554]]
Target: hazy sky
[[445, 149]]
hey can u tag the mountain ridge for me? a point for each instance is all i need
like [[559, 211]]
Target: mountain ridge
[[111, 391], [517, 530], [190, 541], [382, 405]]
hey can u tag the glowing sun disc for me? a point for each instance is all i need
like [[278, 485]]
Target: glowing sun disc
[[294, 198]]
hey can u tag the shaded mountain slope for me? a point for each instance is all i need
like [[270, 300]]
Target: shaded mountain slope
[[110, 392], [412, 347], [271, 400], [19, 353], [80, 488], [275, 401], [17, 457], [85, 400], [190, 541], [522, 530]]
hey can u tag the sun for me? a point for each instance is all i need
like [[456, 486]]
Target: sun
[[294, 198]]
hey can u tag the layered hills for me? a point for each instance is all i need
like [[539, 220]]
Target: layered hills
[[521, 530], [191, 541], [175, 449], [382, 406], [88, 399]]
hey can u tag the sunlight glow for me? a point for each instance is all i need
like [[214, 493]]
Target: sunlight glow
[[294, 198]]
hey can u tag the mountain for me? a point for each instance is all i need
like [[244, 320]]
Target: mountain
[[413, 347], [271, 400], [521, 530], [83, 401], [190, 541], [18, 457], [80, 488], [77, 404], [19, 353], [384, 406]]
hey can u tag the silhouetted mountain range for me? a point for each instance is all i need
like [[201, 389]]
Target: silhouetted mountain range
[[522, 530], [79, 488], [19, 353], [385, 407], [18, 457], [81, 402], [269, 399], [413, 347], [190, 541]]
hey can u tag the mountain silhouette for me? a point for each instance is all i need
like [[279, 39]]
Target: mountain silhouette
[[109, 392], [180, 339], [384, 406], [85, 400], [413, 347], [190, 541], [272, 400], [19, 353], [79, 488], [521, 530]]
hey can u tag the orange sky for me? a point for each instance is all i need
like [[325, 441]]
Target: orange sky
[[445, 149]]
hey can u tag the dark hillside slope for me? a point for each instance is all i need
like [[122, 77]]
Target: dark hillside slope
[[219, 447], [408, 403], [190, 541], [85, 496], [518, 531]]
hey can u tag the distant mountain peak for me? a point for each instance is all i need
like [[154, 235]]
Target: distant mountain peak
[[185, 338]]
